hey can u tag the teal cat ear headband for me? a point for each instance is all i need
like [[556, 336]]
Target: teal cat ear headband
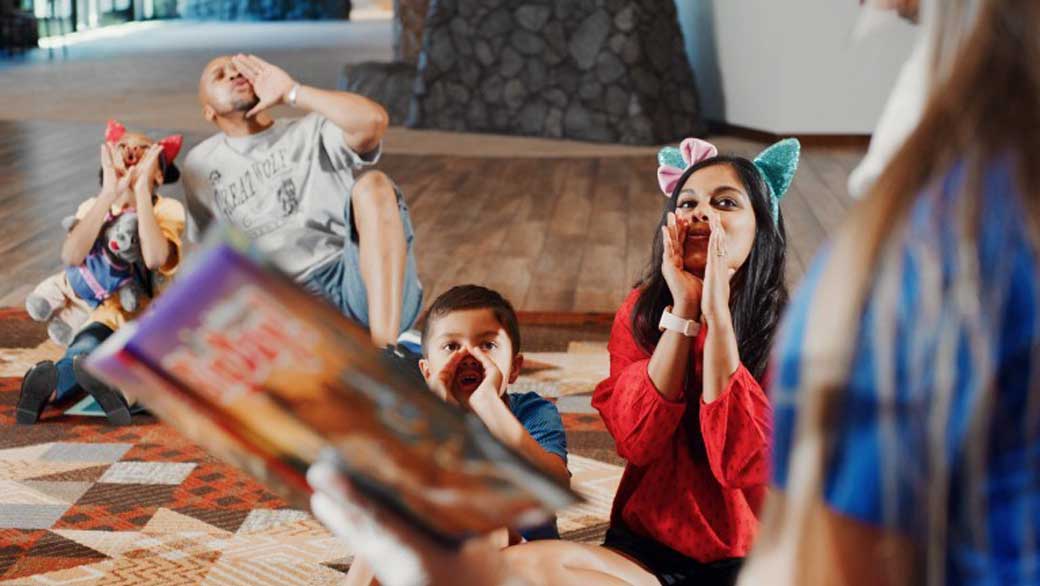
[[777, 164]]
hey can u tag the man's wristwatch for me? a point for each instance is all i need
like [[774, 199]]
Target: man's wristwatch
[[292, 94], [686, 327]]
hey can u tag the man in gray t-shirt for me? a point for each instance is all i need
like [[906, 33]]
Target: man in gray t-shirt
[[301, 189]]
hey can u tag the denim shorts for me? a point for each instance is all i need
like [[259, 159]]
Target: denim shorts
[[341, 283]]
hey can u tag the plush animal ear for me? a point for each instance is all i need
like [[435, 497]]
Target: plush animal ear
[[171, 146], [114, 131], [778, 164]]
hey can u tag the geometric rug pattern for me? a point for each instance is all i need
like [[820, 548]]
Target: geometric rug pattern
[[85, 503]]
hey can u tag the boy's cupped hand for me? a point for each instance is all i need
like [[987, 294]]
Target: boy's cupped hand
[[491, 386], [454, 383], [443, 382]]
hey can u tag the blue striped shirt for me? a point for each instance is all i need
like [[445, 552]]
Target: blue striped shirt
[[936, 404]]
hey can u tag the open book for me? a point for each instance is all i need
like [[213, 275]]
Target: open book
[[247, 364]]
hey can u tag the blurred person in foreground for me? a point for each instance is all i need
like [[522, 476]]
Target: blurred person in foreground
[[905, 402]]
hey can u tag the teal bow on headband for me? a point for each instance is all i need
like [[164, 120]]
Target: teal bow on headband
[[777, 164]]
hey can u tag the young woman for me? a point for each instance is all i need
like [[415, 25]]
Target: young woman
[[684, 401], [907, 410]]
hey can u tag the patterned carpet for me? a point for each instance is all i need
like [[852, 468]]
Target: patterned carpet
[[85, 503]]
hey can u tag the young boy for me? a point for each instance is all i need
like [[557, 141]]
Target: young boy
[[471, 354]]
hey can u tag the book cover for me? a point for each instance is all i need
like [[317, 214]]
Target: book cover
[[267, 376]]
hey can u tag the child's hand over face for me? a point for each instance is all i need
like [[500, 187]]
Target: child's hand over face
[[469, 376], [443, 383], [115, 180], [491, 387], [146, 170]]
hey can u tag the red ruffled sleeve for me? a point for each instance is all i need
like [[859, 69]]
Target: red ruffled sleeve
[[736, 429], [641, 421]]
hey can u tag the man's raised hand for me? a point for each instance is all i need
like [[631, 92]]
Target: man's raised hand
[[270, 82]]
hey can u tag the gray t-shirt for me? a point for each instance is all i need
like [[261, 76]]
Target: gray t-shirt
[[287, 188]]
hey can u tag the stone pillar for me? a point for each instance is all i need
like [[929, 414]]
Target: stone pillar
[[409, 20], [391, 84], [599, 70]]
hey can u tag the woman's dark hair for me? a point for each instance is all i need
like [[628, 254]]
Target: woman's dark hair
[[169, 170], [758, 292]]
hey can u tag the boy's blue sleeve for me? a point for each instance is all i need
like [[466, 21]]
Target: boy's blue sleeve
[[542, 420]]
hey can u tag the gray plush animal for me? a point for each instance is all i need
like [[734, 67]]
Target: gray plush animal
[[121, 241], [50, 302]]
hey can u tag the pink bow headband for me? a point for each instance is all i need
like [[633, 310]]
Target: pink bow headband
[[777, 165], [673, 162]]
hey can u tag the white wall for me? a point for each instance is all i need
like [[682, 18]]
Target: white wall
[[791, 66]]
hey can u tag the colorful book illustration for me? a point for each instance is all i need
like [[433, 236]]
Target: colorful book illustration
[[247, 364]]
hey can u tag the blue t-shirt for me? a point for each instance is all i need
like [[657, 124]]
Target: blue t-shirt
[[937, 401], [542, 420]]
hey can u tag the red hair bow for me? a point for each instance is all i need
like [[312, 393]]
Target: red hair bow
[[114, 131], [171, 145]]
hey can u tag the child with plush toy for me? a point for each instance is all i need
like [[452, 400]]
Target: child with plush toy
[[65, 300], [120, 246]]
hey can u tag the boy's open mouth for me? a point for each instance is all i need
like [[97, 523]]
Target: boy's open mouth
[[468, 378]]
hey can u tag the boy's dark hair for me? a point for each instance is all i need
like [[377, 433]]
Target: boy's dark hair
[[463, 297]]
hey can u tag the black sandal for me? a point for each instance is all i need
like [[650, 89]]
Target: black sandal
[[37, 387], [111, 400]]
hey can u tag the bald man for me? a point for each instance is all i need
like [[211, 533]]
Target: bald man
[[304, 191]]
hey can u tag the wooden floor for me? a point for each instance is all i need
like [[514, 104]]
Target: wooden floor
[[560, 234]]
